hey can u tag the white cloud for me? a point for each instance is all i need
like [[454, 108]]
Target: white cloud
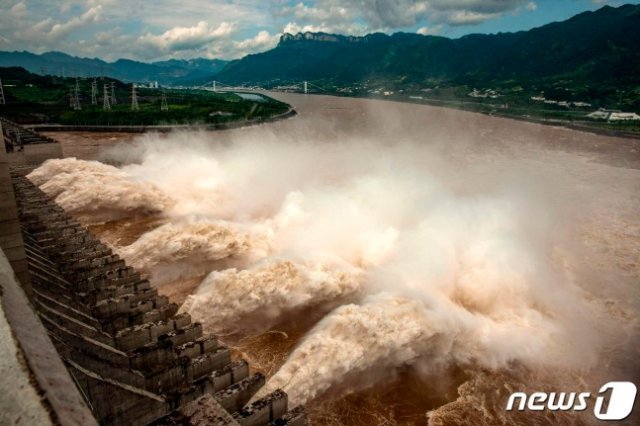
[[329, 16], [429, 30], [26, 26], [261, 42], [18, 10], [366, 16], [220, 28], [465, 17], [331, 13], [351, 29], [186, 38], [62, 29]]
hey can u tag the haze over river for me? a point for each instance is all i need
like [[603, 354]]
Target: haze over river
[[380, 261]]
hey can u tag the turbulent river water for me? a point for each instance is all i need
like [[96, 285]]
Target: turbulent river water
[[384, 263]]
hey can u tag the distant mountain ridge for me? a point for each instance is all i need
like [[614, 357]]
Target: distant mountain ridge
[[591, 50], [593, 56], [173, 71]]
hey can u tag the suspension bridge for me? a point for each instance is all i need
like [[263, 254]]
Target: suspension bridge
[[301, 87]]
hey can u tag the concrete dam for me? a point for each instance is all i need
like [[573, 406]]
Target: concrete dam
[[99, 343]]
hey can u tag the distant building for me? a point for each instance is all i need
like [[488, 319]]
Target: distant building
[[602, 114], [613, 115], [581, 104], [488, 93], [623, 116]]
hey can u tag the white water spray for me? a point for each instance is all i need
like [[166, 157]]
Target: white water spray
[[454, 261]]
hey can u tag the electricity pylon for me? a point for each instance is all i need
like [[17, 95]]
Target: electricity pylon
[[94, 92], [134, 99], [2, 100], [113, 94], [163, 105], [76, 97], [106, 106]]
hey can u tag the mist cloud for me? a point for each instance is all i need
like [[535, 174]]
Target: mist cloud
[[427, 258]]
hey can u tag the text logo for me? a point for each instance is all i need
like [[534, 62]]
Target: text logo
[[617, 406]]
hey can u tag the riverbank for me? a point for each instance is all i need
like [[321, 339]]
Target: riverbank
[[161, 128], [464, 106]]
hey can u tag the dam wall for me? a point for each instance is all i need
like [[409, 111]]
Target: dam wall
[[10, 232], [36, 388], [129, 357]]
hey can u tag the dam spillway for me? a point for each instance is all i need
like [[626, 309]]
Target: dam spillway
[[132, 357], [482, 157]]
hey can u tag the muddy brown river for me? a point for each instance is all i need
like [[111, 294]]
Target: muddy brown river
[[384, 263]]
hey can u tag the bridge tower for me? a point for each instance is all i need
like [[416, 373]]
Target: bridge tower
[[134, 99], [106, 106], [214, 85], [305, 88], [2, 100]]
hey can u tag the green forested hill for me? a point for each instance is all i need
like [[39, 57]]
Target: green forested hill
[[173, 71], [32, 99], [594, 55]]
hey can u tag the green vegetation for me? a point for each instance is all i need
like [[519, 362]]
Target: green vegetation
[[513, 102], [592, 58], [47, 99]]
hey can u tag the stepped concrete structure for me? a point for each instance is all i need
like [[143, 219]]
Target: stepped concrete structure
[[25, 146], [130, 358]]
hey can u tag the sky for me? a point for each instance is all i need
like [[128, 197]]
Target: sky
[[165, 29]]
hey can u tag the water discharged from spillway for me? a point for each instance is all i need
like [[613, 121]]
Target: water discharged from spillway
[[413, 258]]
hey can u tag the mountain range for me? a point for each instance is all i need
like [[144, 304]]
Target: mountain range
[[594, 53], [173, 71], [593, 56]]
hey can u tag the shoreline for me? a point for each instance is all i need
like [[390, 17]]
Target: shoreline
[[569, 125], [443, 104], [292, 112], [161, 128], [566, 124]]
